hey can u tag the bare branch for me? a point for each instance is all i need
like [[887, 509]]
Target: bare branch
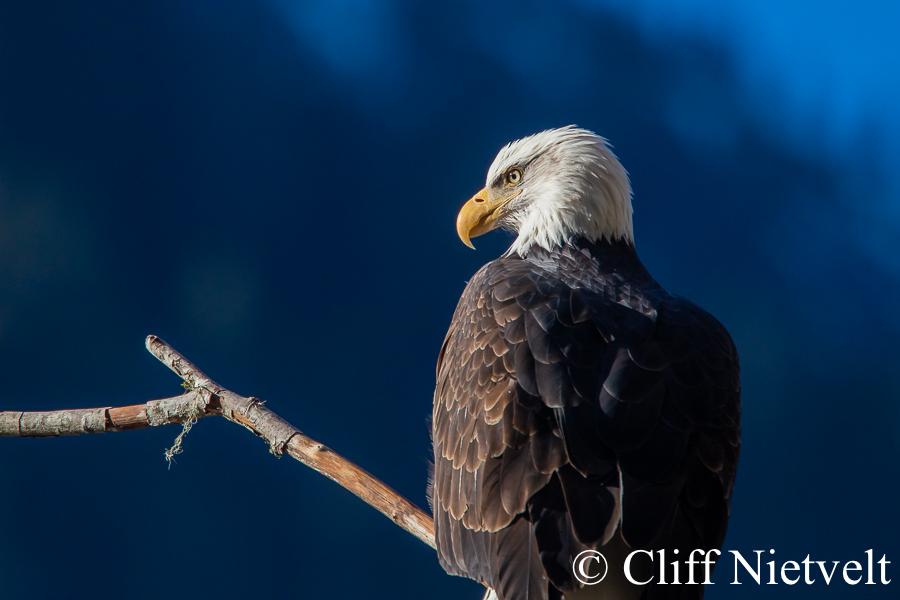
[[101, 420], [204, 398]]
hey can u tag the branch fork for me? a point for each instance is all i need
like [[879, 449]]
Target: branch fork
[[204, 397]]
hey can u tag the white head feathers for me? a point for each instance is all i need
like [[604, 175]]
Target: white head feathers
[[571, 185]]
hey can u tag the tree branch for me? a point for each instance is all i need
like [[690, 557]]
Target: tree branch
[[204, 397], [54, 423]]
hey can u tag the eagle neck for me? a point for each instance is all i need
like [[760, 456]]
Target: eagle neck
[[607, 256]]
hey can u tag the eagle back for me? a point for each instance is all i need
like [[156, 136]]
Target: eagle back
[[575, 398]]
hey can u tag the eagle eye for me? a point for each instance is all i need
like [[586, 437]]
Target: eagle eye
[[513, 176]]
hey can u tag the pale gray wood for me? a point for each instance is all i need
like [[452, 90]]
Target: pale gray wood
[[204, 397]]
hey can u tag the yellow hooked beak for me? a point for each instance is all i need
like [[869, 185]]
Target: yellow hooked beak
[[480, 215]]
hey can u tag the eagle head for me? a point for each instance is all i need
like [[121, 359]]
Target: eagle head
[[549, 188]]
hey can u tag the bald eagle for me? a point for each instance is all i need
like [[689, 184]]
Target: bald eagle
[[579, 405]]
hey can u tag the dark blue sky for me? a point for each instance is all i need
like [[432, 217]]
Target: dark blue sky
[[272, 188]]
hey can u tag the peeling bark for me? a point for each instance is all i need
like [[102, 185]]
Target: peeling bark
[[204, 397], [101, 420]]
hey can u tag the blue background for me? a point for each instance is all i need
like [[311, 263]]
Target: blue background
[[272, 187]]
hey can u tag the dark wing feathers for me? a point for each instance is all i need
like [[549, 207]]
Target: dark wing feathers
[[658, 459], [548, 451], [592, 504], [576, 397], [652, 504], [516, 562]]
